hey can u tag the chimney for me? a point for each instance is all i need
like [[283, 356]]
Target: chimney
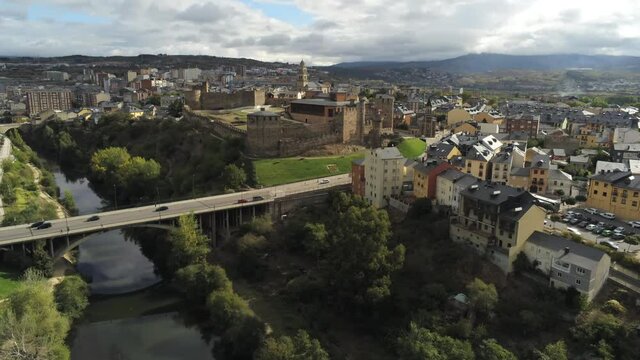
[[566, 250]]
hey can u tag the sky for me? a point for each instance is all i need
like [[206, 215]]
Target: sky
[[319, 31]]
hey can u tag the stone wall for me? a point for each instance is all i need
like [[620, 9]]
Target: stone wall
[[220, 128], [198, 100]]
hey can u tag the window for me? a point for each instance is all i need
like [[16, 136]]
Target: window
[[634, 203], [606, 185], [578, 282], [597, 183], [635, 194], [604, 194], [580, 270], [595, 192], [555, 182], [624, 201], [559, 274], [480, 173], [535, 172], [541, 172]]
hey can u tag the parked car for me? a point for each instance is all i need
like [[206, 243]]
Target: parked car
[[597, 230], [619, 229], [162, 208], [591, 211], [94, 218], [574, 221], [609, 216], [574, 231], [242, 201], [634, 224], [323, 181], [36, 224], [257, 198], [610, 227], [610, 244], [606, 233], [566, 219], [44, 225], [618, 236], [590, 227], [583, 224]]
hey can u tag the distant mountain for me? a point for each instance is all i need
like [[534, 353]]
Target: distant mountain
[[477, 63]]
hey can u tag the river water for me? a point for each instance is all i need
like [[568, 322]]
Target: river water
[[131, 314]]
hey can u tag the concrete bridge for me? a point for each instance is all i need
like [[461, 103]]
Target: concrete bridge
[[216, 214]]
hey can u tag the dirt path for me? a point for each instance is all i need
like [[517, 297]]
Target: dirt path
[[60, 211]]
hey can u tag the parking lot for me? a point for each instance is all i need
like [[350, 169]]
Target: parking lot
[[580, 220]]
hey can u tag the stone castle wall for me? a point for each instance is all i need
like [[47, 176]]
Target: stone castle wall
[[198, 100]]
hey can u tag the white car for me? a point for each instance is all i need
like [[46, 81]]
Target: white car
[[609, 216], [610, 244], [590, 227], [574, 231], [323, 181], [591, 210], [634, 224]]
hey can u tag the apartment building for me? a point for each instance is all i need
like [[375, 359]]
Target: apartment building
[[383, 171], [568, 263], [425, 177], [529, 124], [449, 185], [496, 220], [617, 192], [41, 100]]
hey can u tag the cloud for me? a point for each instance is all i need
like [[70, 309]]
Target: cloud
[[335, 30]]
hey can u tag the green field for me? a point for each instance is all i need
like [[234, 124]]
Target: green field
[[412, 147], [8, 282], [287, 170]]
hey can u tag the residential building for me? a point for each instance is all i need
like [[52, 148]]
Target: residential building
[[425, 177], [449, 184], [568, 263], [617, 192], [464, 128], [383, 170], [496, 220], [559, 182], [522, 122], [56, 75], [608, 166], [477, 162], [357, 177], [622, 152], [442, 151], [626, 136], [41, 100], [456, 116]]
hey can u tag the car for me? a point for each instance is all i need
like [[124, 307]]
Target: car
[[590, 227], [94, 218], [634, 224], [610, 244], [609, 216], [606, 233], [243, 201], [44, 225], [619, 229], [617, 237], [583, 224], [592, 211], [162, 208], [36, 224], [257, 198], [574, 231], [601, 224], [566, 219], [609, 227], [323, 181], [574, 221], [597, 230]]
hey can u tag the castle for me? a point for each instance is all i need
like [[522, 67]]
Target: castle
[[201, 99], [333, 118]]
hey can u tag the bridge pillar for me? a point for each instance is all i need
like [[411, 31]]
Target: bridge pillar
[[226, 224], [212, 220], [253, 212], [240, 217], [24, 251], [51, 247]]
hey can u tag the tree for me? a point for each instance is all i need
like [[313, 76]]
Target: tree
[[242, 340], [153, 100], [261, 225], [302, 346], [189, 245], [420, 344], [489, 349], [553, 351], [315, 240], [106, 163], [30, 325], [234, 177], [521, 263], [41, 259], [227, 309], [175, 108], [604, 350], [72, 296], [199, 280], [483, 297], [360, 253], [69, 203]]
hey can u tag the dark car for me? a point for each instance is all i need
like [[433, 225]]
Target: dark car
[[242, 201], [36, 224], [617, 237], [597, 230], [610, 227], [44, 225], [258, 198], [574, 221], [162, 208], [583, 224], [94, 218]]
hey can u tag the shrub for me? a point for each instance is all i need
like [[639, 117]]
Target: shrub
[[581, 198], [570, 201], [72, 296], [614, 307], [199, 280], [227, 309]]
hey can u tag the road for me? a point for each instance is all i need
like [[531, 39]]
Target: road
[[120, 218]]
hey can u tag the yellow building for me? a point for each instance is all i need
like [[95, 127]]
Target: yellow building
[[477, 162], [456, 116], [616, 192], [464, 128], [496, 220], [488, 118]]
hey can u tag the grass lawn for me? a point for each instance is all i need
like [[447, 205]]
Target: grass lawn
[[8, 282], [412, 147], [287, 170]]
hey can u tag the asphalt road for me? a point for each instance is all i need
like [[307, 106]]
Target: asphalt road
[[119, 218]]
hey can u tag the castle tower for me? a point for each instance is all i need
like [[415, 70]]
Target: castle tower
[[362, 115], [429, 123], [303, 77], [375, 140], [386, 103]]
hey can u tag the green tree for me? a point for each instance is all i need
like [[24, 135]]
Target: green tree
[[420, 344], [188, 243], [72, 296], [199, 280], [360, 253], [106, 163], [227, 308], [175, 108], [41, 259], [315, 240], [153, 100], [553, 351], [301, 346], [489, 349], [69, 202], [521, 263], [261, 225], [233, 177], [30, 325], [604, 350], [242, 340], [483, 297]]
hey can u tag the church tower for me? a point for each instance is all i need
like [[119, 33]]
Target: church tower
[[303, 77]]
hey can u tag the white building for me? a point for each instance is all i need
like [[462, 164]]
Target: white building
[[383, 175], [449, 185]]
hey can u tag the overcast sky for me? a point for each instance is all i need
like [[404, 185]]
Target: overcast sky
[[320, 31]]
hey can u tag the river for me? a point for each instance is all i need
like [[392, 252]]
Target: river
[[131, 314]]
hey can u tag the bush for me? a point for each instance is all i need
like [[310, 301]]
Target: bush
[[581, 198], [227, 309], [251, 243], [72, 296], [199, 280], [613, 307], [570, 201], [555, 218], [260, 225], [242, 339]]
